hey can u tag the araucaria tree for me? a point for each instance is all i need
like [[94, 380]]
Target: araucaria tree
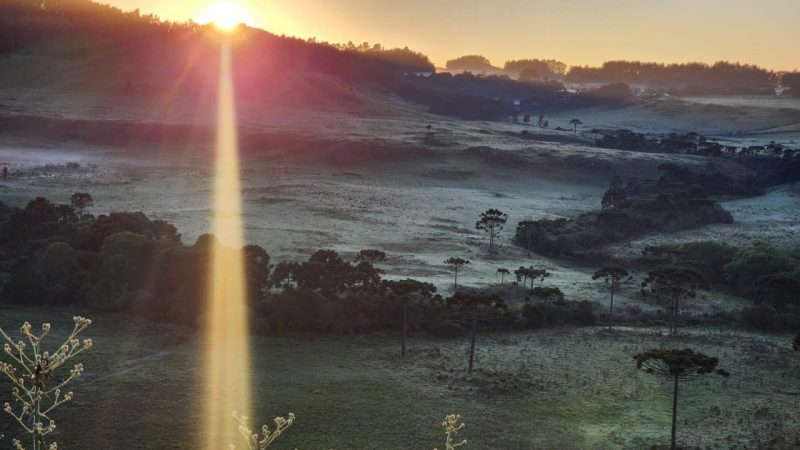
[[676, 365], [491, 221], [575, 123], [471, 303], [371, 256], [503, 272], [408, 290], [672, 284], [547, 295], [80, 201], [612, 275], [456, 263], [37, 384]]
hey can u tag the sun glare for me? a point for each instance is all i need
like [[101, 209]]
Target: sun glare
[[227, 346], [225, 16]]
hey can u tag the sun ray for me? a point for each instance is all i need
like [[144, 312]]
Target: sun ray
[[227, 334]]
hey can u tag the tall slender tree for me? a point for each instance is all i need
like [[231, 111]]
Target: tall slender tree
[[456, 263], [409, 291], [613, 276], [503, 272], [491, 221], [672, 284], [575, 123], [677, 365], [471, 303]]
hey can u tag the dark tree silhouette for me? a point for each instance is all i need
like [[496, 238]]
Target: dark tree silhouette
[[677, 365], [408, 290], [613, 197], [457, 263], [80, 201], [575, 123], [612, 275], [673, 284], [503, 272], [529, 273], [371, 256], [471, 303], [491, 221], [547, 295], [256, 263], [796, 343]]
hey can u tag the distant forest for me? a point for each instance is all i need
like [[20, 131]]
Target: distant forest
[[719, 78], [742, 78]]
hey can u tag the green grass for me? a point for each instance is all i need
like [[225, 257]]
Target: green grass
[[559, 388]]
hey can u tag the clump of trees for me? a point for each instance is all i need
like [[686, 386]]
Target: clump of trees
[[672, 285], [768, 275], [667, 207], [127, 262], [770, 164], [677, 365], [531, 273]]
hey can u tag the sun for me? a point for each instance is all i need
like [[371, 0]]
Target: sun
[[225, 16]]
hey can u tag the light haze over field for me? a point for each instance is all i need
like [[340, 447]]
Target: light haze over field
[[577, 32]]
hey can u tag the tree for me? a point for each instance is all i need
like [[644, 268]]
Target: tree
[[796, 343], [613, 197], [575, 123], [547, 295], [80, 201], [456, 263], [471, 303], [673, 284], [678, 365], [408, 289], [256, 264], [491, 221], [503, 272], [525, 273], [612, 275], [371, 256]]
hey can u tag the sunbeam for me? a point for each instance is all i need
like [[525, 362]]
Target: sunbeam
[[226, 346]]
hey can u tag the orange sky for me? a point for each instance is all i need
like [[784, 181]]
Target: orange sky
[[763, 32]]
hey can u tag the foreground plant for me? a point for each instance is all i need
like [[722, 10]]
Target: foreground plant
[[451, 427], [37, 383], [267, 437]]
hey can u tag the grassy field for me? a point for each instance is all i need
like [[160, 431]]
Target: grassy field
[[557, 388]]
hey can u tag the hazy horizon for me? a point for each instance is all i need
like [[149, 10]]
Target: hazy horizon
[[701, 31]]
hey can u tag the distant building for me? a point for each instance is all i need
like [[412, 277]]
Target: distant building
[[779, 90]]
